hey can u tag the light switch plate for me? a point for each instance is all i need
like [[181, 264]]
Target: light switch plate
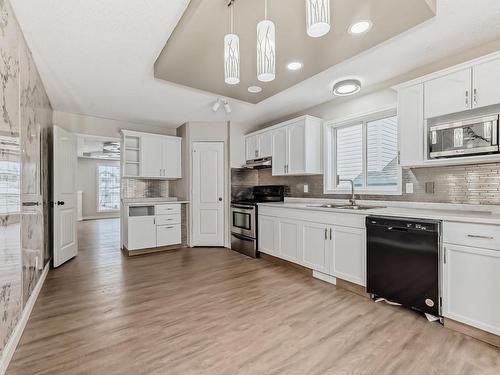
[[306, 188], [409, 188]]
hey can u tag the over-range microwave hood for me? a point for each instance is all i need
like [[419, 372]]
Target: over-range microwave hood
[[259, 163], [476, 136]]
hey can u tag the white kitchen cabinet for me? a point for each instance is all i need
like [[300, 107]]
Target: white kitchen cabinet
[[279, 152], [486, 80], [141, 232], [316, 246], [167, 235], [265, 144], [268, 228], [448, 94], [288, 241], [411, 125], [258, 146], [252, 147], [471, 286], [349, 254], [297, 147], [150, 155]]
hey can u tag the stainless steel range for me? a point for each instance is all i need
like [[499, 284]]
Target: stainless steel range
[[244, 233]]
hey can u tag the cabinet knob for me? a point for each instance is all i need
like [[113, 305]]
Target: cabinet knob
[[60, 203], [220, 199]]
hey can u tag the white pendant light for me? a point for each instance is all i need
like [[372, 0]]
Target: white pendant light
[[318, 17], [266, 49], [232, 54]]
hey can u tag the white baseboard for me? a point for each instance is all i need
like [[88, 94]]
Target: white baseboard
[[11, 346], [324, 277]]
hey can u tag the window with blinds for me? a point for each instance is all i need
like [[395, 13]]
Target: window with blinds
[[108, 188], [366, 152]]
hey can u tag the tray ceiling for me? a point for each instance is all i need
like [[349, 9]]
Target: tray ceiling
[[193, 55]]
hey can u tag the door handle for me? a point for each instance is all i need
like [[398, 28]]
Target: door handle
[[326, 233], [330, 234], [30, 204], [60, 203], [220, 199]]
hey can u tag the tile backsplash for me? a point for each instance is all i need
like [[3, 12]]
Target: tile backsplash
[[142, 188], [466, 184]]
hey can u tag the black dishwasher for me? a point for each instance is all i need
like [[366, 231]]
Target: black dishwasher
[[403, 262]]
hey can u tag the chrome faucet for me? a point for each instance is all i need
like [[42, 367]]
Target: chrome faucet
[[352, 201]]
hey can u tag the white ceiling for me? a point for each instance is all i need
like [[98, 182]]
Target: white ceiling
[[96, 58]]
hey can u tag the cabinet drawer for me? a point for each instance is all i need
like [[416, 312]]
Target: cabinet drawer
[[168, 209], [476, 235], [168, 219], [168, 235]]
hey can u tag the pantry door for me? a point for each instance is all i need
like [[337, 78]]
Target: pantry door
[[208, 194]]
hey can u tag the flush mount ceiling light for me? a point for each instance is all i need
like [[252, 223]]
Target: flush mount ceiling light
[[317, 17], [254, 89], [231, 53], [295, 65], [266, 49], [360, 27], [346, 87]]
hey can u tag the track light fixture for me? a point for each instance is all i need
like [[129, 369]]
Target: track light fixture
[[224, 103]]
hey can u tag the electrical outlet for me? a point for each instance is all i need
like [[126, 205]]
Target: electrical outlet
[[306, 188], [409, 188]]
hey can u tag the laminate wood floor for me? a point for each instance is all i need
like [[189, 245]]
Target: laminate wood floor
[[213, 311]]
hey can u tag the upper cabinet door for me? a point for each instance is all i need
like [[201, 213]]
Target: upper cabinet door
[[296, 148], [252, 147], [265, 145], [448, 94], [411, 125], [486, 84], [151, 156], [279, 152], [171, 154]]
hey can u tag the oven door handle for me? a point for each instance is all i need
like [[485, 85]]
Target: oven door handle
[[242, 238], [242, 207]]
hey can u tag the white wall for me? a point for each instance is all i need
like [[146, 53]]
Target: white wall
[[87, 182], [103, 127]]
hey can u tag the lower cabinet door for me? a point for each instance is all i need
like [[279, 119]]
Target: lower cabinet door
[[316, 246], [266, 237], [168, 235], [471, 287], [349, 254], [289, 242], [141, 232]]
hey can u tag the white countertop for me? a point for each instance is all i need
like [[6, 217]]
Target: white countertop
[[444, 213], [161, 200]]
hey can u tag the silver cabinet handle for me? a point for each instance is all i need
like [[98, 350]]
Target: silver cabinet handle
[[475, 97], [326, 233], [481, 237], [330, 234], [466, 98]]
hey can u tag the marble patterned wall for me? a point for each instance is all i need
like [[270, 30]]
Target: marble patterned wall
[[25, 144]]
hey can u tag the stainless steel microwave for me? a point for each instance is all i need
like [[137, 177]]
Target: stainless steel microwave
[[464, 138]]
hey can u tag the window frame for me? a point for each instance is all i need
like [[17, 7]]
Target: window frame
[[97, 195], [330, 155]]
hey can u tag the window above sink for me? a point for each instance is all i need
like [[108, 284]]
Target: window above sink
[[364, 150]]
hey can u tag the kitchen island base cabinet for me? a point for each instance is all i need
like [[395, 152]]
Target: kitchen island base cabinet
[[471, 283], [141, 232]]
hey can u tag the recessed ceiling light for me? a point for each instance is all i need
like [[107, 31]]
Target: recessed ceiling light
[[347, 87], [295, 65], [360, 27], [254, 89]]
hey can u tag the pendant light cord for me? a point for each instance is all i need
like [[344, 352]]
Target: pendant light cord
[[265, 9]]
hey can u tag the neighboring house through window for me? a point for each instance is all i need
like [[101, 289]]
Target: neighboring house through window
[[108, 188], [364, 150]]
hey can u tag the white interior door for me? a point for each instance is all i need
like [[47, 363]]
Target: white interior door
[[208, 194], [64, 196]]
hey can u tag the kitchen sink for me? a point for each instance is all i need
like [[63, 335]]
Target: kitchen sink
[[346, 206]]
